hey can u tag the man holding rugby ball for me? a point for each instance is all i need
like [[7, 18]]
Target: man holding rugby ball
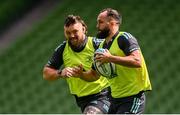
[[122, 49]]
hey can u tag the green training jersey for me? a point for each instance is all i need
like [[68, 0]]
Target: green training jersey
[[78, 86], [129, 81]]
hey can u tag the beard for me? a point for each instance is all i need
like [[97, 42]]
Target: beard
[[73, 46], [102, 34], [76, 46]]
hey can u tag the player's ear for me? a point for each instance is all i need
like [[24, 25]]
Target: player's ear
[[84, 29]]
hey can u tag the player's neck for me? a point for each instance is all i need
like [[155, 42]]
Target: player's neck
[[112, 33]]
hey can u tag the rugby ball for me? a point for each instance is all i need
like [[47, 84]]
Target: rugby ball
[[106, 69]]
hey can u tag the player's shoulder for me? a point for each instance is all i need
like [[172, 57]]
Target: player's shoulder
[[96, 42], [61, 46], [95, 39], [126, 35]]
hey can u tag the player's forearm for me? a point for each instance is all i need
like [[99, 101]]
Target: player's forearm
[[129, 61], [90, 76], [50, 74]]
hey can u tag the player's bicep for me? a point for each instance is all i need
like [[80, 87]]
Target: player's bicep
[[56, 61]]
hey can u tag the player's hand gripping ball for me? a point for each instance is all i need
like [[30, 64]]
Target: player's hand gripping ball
[[106, 69]]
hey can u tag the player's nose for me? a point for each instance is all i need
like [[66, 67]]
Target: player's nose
[[72, 36]]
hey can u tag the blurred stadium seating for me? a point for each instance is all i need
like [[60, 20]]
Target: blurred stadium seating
[[12, 10], [154, 23]]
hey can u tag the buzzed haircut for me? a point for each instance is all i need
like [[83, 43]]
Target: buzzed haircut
[[112, 13]]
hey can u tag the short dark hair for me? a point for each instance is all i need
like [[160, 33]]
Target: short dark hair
[[112, 13], [72, 19]]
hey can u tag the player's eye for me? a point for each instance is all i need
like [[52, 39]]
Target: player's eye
[[67, 33], [100, 22]]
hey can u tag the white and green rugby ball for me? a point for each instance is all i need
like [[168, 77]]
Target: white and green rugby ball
[[106, 69]]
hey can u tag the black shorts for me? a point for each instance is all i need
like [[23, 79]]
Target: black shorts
[[99, 100], [128, 105]]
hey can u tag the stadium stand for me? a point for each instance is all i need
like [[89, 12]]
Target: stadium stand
[[154, 23], [13, 10]]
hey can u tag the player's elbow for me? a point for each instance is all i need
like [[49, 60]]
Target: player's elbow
[[46, 74], [136, 59], [137, 62]]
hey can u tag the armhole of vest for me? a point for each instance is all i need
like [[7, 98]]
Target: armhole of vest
[[64, 45], [94, 44], [118, 39]]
